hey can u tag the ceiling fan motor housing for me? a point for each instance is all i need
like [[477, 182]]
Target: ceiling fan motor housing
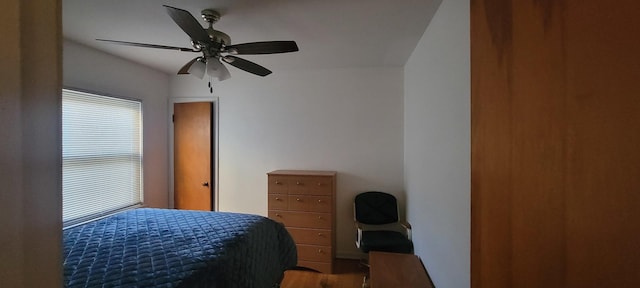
[[219, 37], [212, 16]]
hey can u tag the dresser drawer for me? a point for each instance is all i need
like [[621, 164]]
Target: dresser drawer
[[302, 219], [311, 185], [278, 202], [310, 203], [311, 236], [314, 253], [278, 184]]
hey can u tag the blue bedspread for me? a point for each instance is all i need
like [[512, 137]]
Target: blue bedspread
[[176, 248]]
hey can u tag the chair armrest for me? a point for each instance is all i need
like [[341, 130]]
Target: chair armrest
[[405, 224], [407, 227], [359, 228]]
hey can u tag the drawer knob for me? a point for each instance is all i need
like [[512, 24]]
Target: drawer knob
[[320, 251], [278, 182], [319, 184], [319, 200], [298, 183], [277, 198], [319, 217], [298, 199], [320, 234], [278, 215]]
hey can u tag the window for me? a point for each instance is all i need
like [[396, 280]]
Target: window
[[101, 155]]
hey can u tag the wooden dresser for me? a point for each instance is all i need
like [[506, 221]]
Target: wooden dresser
[[304, 201]]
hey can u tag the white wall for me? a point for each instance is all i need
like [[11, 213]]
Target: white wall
[[437, 145], [89, 69], [347, 120]]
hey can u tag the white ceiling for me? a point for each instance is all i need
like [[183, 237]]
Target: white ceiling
[[329, 33]]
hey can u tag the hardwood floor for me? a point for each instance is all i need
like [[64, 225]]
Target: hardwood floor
[[349, 274]]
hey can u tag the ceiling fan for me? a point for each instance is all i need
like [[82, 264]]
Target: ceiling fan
[[215, 47]]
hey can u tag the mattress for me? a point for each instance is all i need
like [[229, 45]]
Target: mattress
[[177, 248]]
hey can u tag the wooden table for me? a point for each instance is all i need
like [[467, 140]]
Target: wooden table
[[297, 279], [397, 270]]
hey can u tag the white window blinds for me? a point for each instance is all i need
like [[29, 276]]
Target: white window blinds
[[101, 155]]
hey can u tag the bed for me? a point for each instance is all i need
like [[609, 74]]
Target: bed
[[177, 248]]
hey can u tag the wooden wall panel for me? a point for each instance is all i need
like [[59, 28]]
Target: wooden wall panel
[[603, 195], [537, 143], [490, 143], [555, 146], [31, 143]]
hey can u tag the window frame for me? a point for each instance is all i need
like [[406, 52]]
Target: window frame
[[99, 215]]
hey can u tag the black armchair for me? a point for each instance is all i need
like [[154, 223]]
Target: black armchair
[[378, 226]]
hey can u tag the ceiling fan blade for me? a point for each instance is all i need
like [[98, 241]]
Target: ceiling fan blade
[[195, 67], [217, 69], [189, 24], [246, 65], [185, 68], [267, 47], [147, 45]]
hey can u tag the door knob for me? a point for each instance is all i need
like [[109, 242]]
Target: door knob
[[205, 184]]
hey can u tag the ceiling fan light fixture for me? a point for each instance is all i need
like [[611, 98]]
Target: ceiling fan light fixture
[[215, 69], [198, 68]]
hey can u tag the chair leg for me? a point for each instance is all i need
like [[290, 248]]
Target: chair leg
[[365, 281], [364, 261]]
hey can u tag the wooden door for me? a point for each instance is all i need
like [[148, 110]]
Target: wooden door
[[192, 124], [555, 143]]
